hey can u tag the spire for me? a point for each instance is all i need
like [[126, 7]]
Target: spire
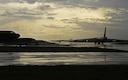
[[105, 32]]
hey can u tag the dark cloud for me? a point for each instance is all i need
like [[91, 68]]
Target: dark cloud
[[114, 3], [119, 20], [4, 1], [50, 18], [44, 7], [21, 14], [96, 3], [31, 1], [24, 12]]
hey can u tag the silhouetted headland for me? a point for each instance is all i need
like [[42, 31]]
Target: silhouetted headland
[[10, 42], [97, 40], [8, 36]]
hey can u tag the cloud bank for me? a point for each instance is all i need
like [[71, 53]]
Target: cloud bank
[[64, 19]]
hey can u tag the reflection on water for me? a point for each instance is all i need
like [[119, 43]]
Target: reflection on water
[[8, 58], [62, 58]]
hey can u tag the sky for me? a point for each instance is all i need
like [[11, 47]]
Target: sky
[[65, 19]]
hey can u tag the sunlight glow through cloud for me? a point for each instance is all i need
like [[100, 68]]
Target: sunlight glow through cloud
[[51, 20]]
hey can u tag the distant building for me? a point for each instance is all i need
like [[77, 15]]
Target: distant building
[[25, 41]]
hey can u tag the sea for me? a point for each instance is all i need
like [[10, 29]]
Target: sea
[[68, 58]]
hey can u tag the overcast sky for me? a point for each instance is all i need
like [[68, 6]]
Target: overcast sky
[[65, 19]]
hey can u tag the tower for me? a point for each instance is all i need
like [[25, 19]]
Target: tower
[[105, 33]]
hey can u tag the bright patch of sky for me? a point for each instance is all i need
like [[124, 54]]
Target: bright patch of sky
[[65, 19]]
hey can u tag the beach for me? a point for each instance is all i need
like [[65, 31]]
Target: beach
[[30, 62]]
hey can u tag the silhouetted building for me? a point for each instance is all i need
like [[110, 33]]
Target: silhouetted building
[[8, 36]]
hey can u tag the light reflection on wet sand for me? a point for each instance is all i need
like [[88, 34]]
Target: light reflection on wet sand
[[63, 58]]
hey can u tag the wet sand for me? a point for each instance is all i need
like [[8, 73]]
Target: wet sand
[[56, 49]]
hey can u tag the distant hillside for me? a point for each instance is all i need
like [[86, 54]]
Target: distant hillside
[[93, 40]]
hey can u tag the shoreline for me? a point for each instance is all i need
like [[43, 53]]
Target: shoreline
[[56, 49]]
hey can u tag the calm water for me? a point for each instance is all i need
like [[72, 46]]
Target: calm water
[[66, 58]]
